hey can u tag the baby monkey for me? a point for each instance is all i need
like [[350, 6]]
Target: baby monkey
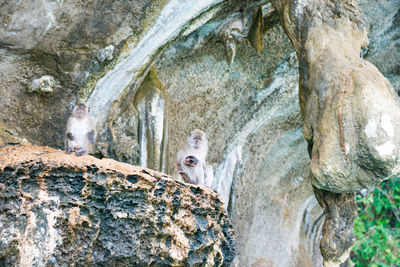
[[191, 159], [80, 135]]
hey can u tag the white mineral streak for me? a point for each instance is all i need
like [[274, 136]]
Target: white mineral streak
[[226, 170], [300, 8], [386, 149], [51, 7], [37, 16], [224, 173], [143, 137], [44, 84], [199, 38], [152, 123], [119, 214], [347, 148], [205, 17], [157, 117], [28, 251], [40, 238], [172, 20], [106, 53], [52, 237], [387, 125], [370, 129]]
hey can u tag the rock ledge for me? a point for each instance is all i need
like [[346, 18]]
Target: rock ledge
[[58, 209]]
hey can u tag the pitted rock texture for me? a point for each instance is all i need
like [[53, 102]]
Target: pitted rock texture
[[58, 209], [337, 231], [7, 137]]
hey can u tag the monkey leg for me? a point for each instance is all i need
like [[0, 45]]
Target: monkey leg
[[91, 136], [80, 152], [68, 150]]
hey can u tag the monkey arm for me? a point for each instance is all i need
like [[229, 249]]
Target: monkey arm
[[186, 177], [68, 149], [91, 136], [208, 175], [70, 136]]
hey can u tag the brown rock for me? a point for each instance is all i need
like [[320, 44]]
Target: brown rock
[[57, 209], [337, 232]]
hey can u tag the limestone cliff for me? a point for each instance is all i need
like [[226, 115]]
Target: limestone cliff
[[236, 70]]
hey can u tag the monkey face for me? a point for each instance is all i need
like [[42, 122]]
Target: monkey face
[[197, 139], [80, 110]]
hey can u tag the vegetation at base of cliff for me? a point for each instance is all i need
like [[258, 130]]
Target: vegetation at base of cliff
[[377, 227]]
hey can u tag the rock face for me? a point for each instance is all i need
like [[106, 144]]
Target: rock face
[[68, 41], [101, 52], [337, 231], [58, 209], [351, 112]]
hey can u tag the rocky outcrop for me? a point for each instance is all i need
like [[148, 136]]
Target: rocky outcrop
[[8, 138], [58, 209], [351, 112], [249, 109], [337, 231]]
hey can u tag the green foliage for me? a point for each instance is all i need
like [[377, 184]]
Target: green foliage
[[377, 228]]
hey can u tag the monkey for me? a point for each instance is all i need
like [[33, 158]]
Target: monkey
[[81, 134], [191, 160]]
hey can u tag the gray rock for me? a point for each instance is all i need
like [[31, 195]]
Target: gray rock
[[267, 166], [45, 84], [106, 53]]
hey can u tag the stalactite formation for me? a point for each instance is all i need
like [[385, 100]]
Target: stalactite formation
[[351, 112], [151, 102]]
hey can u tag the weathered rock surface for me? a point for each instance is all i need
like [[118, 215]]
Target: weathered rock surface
[[250, 109], [68, 40], [8, 138], [58, 209], [351, 112], [383, 50], [337, 231]]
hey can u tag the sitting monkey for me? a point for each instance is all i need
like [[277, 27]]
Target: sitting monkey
[[191, 159], [80, 134]]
